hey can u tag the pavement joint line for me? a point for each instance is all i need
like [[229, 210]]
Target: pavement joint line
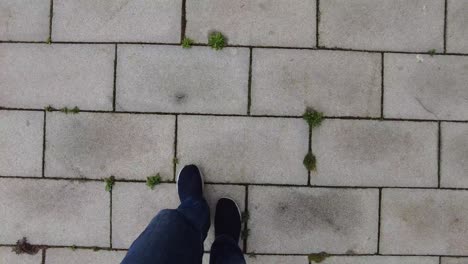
[[183, 21], [379, 221], [51, 16], [309, 149], [114, 88], [244, 184], [317, 23], [249, 83], [247, 116], [445, 25], [44, 129], [43, 256], [110, 218], [174, 163], [382, 94], [46, 247], [246, 210], [439, 146], [241, 46]]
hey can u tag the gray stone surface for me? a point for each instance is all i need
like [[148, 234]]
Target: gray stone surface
[[26, 20], [21, 136], [173, 79], [258, 259], [98, 145], [454, 261], [457, 30], [134, 205], [375, 153], [54, 212], [83, 256], [416, 25], [425, 87], [121, 20], [380, 260], [424, 222], [302, 220], [257, 22], [37, 75], [9, 257], [454, 155], [285, 82], [244, 149]]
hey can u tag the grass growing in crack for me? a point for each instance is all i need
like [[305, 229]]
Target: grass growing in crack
[[310, 162], [432, 52], [153, 181], [49, 108], [110, 182], [49, 40], [245, 233], [317, 258], [175, 161], [187, 43], [24, 247], [216, 40], [66, 110], [252, 255], [95, 249], [73, 247], [312, 117], [245, 216]]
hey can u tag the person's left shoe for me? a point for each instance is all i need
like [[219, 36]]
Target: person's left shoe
[[190, 183]]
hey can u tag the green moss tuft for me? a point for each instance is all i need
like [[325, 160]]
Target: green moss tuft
[[432, 52], [317, 258], [312, 117], [66, 110], [245, 216], [153, 181], [110, 182], [310, 162], [49, 108], [187, 43], [216, 40], [245, 233]]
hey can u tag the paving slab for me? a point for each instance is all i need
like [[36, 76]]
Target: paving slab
[[457, 31], [7, 256], [244, 149], [257, 259], [382, 24], [454, 155], [173, 79], [38, 75], [454, 261], [256, 23], [375, 153], [98, 145], [121, 20], [420, 222], [132, 210], [426, 87], [133, 207], [80, 256], [26, 20], [21, 136], [301, 220], [286, 82], [380, 260], [54, 212]]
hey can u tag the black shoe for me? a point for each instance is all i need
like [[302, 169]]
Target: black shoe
[[190, 183], [227, 219]]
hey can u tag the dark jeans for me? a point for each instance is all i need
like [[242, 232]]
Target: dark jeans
[[176, 237]]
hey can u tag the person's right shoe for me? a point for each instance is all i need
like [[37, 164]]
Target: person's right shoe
[[228, 219]]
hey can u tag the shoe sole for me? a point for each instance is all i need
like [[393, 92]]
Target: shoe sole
[[201, 176]]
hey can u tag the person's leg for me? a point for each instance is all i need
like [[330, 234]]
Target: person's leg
[[225, 248], [176, 236]]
